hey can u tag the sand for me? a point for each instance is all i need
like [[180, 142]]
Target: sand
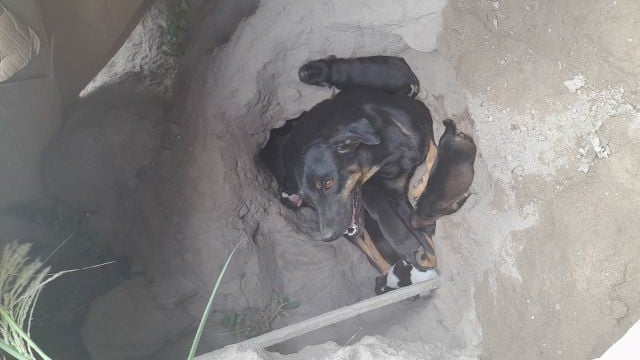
[[541, 263]]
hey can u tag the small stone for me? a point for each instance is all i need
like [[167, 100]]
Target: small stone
[[576, 83], [616, 309]]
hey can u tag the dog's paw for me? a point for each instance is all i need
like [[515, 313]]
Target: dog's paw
[[402, 274]]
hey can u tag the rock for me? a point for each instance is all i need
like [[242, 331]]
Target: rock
[[128, 323]]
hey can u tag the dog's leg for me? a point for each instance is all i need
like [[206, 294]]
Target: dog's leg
[[366, 245], [426, 256], [393, 219], [426, 253]]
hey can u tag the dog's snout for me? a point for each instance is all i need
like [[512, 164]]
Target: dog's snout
[[327, 233]]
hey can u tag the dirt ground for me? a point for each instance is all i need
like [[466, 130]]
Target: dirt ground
[[563, 158], [541, 263]]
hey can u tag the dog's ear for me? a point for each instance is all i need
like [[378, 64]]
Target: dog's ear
[[358, 132]]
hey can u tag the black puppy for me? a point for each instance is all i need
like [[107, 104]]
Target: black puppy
[[449, 180], [387, 73], [279, 155]]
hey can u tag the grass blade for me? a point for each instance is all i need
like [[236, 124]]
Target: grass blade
[[7, 318], [12, 351], [205, 315]]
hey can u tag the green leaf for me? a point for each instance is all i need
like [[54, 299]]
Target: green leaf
[[184, 6], [239, 322], [290, 305], [234, 321], [205, 315], [6, 347], [12, 324], [227, 320]]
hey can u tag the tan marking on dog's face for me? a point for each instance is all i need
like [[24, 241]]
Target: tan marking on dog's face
[[349, 185], [421, 185], [369, 173], [367, 246], [357, 177]]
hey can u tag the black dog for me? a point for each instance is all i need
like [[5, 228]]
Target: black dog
[[362, 147], [360, 134], [449, 180], [386, 73]]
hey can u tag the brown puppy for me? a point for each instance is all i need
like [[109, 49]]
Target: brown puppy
[[449, 180]]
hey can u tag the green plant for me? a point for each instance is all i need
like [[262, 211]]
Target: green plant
[[177, 29], [21, 281], [262, 321], [276, 308], [207, 309]]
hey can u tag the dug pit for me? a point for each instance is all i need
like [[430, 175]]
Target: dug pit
[[525, 270]]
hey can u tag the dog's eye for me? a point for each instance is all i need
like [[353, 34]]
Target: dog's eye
[[328, 184], [325, 185]]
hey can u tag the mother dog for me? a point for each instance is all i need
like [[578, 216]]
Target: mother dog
[[360, 135]]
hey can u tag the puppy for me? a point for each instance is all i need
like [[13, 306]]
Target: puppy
[[402, 274], [386, 73], [279, 156], [449, 180]]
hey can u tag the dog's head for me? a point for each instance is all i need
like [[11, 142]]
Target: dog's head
[[315, 72], [330, 173]]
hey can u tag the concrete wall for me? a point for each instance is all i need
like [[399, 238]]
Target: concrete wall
[[78, 37], [85, 34], [29, 116]]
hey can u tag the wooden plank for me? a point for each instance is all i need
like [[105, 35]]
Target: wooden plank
[[288, 332]]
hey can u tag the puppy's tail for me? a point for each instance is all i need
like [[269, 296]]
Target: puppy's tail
[[450, 127]]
